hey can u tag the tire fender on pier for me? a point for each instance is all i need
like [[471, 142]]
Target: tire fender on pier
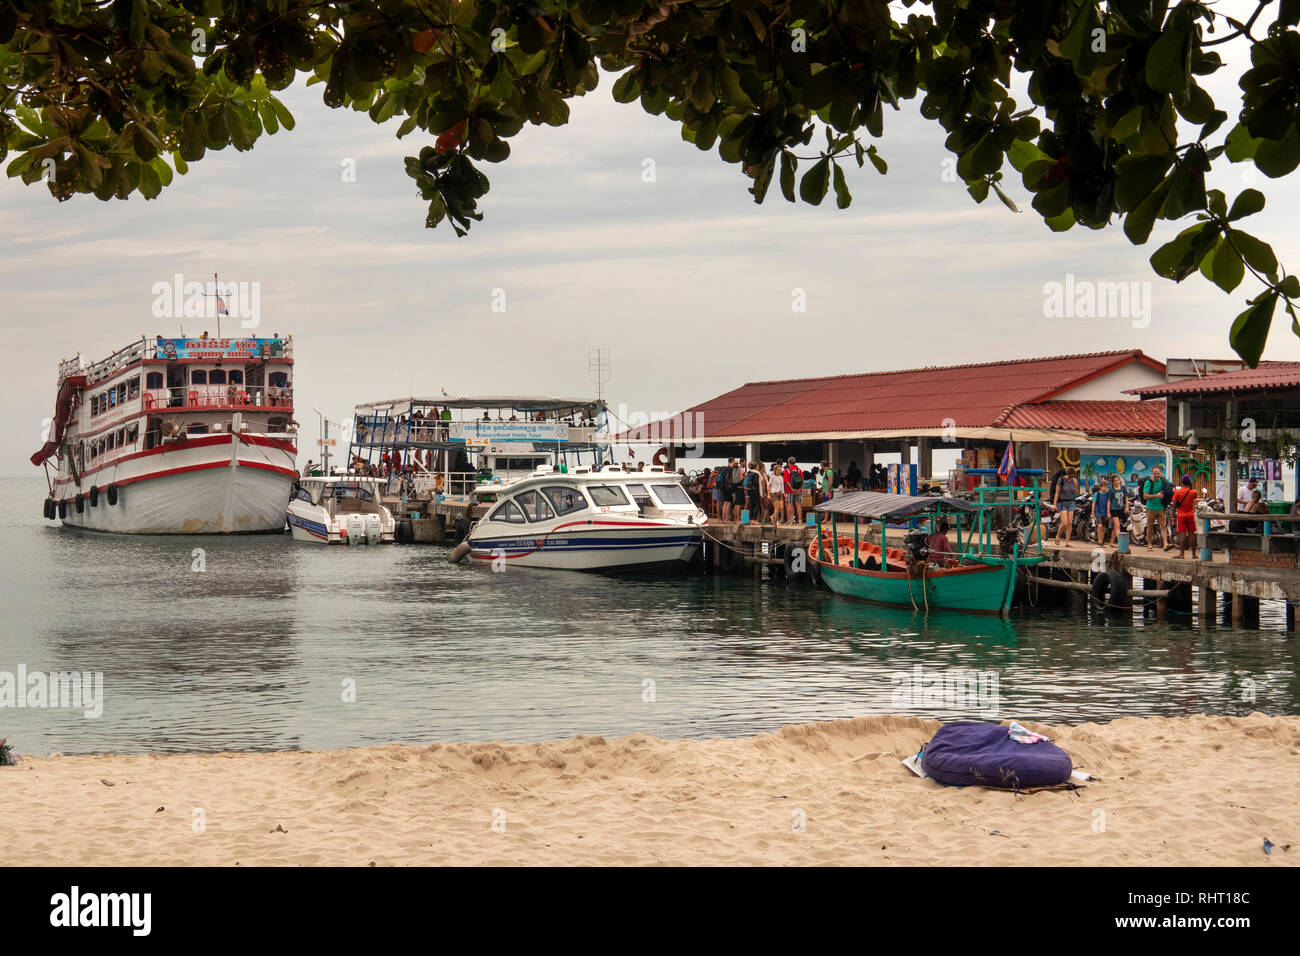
[[94, 495], [112, 494], [1110, 591]]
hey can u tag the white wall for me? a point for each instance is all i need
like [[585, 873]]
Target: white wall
[[1111, 386]]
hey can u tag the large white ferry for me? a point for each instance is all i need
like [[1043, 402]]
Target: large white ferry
[[175, 436]]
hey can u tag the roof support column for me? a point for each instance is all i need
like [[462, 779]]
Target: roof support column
[[905, 451], [924, 459]]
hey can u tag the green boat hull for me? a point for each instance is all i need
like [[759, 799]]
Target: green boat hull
[[980, 588]]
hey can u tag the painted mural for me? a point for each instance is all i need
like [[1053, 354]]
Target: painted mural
[[1093, 466]]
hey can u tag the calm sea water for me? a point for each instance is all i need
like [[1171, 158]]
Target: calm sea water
[[258, 651]]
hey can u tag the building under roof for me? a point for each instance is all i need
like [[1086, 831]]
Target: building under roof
[[1068, 400]]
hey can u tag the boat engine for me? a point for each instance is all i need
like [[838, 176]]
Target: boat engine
[[917, 549]]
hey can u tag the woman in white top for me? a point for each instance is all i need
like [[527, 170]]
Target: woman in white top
[[764, 494]]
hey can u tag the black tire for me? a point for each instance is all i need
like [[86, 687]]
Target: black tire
[[94, 496], [404, 534], [81, 504], [63, 510], [1110, 591], [112, 495], [814, 572], [792, 553], [47, 508]]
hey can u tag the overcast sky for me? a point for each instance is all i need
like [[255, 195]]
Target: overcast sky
[[685, 280]]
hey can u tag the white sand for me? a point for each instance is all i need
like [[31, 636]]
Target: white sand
[[1200, 790]]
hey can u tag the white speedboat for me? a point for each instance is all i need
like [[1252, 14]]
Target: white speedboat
[[174, 436], [605, 520], [339, 509]]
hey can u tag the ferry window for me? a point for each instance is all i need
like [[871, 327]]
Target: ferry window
[[606, 495], [121, 393], [111, 443], [217, 376], [94, 404], [506, 511], [236, 376], [133, 388], [535, 506], [565, 500], [672, 494], [121, 437], [196, 429], [132, 433], [153, 380], [278, 379], [199, 376], [301, 493], [112, 398]]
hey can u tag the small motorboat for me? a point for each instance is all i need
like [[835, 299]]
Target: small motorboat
[[919, 574], [339, 509], [605, 519]]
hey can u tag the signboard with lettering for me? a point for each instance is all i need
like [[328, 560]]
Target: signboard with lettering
[[494, 432], [218, 348]]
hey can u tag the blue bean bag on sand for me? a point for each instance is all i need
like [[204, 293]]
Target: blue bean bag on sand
[[967, 753]]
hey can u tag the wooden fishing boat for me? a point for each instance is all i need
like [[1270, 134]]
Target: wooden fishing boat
[[975, 576]]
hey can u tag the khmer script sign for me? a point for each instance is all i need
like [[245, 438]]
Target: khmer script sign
[[494, 432]]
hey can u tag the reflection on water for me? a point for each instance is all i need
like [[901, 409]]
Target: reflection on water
[[280, 645]]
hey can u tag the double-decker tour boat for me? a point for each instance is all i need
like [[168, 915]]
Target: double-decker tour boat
[[175, 436]]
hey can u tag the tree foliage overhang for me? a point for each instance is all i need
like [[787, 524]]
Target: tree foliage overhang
[[112, 97]]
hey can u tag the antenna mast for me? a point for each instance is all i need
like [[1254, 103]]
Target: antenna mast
[[598, 373]]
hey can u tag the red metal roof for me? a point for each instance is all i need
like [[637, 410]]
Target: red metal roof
[[1268, 375], [974, 396], [1119, 417]]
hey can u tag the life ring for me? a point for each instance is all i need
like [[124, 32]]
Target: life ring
[[660, 458], [112, 494], [94, 496], [1110, 591]]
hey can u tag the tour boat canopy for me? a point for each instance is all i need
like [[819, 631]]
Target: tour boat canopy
[[874, 505], [528, 403]]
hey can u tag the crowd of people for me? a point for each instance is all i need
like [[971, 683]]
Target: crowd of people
[[1158, 512], [776, 493]]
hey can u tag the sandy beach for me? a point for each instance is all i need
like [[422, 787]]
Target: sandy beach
[[1170, 791]]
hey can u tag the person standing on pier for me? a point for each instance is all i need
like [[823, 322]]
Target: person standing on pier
[[776, 485], [1153, 496], [792, 481], [1184, 502], [1101, 512], [1067, 490]]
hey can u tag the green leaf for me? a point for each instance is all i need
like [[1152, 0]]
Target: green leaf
[[789, 165], [1247, 204], [1169, 62], [815, 182], [842, 195], [1290, 286], [1277, 159], [281, 112], [1006, 200], [877, 160], [1223, 266], [1239, 145], [1250, 330], [1259, 254], [150, 186], [627, 87], [1179, 258]]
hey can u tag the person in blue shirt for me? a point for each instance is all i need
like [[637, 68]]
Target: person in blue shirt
[[1101, 511], [1118, 505]]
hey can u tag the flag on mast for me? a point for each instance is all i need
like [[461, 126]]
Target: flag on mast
[[1007, 470]]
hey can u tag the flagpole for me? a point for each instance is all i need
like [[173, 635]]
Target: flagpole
[[216, 292]]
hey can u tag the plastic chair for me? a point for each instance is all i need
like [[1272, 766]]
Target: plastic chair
[[193, 397]]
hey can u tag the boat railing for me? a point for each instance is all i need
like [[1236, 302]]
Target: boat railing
[[194, 397]]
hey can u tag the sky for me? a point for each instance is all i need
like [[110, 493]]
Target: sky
[[685, 280]]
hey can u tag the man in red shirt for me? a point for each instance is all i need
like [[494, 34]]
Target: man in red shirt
[[793, 495]]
